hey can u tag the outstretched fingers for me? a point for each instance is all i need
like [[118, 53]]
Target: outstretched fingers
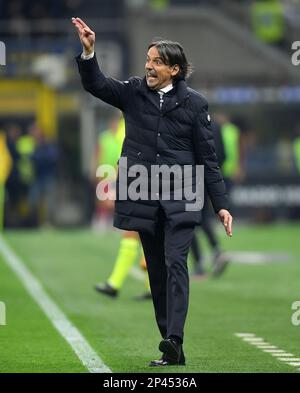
[[82, 28], [228, 224], [77, 25], [82, 23]]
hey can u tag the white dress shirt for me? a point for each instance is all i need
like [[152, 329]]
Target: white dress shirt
[[166, 89], [87, 57]]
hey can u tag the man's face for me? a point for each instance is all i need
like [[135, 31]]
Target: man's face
[[158, 74]]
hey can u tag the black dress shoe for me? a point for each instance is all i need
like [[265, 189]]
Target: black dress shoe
[[164, 361], [106, 289], [171, 350]]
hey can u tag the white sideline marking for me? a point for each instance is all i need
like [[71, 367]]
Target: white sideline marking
[[253, 338], [282, 354], [260, 343], [266, 347], [289, 359], [244, 334], [69, 332]]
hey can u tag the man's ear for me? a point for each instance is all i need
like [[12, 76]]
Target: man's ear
[[175, 70]]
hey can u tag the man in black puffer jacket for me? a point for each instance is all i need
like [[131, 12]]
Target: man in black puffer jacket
[[167, 124]]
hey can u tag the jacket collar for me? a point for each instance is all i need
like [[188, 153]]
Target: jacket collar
[[180, 94], [166, 89]]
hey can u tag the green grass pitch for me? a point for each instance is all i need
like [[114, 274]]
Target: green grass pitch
[[251, 298]]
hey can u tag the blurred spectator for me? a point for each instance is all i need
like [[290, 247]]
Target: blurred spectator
[[5, 168], [21, 147], [25, 146], [231, 167], [219, 259], [296, 149], [14, 188], [294, 213], [44, 159], [246, 134], [159, 5], [268, 21], [107, 152]]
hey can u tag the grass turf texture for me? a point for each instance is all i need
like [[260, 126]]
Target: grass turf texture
[[248, 298]]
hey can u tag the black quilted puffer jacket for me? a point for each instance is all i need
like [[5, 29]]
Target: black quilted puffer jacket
[[179, 133]]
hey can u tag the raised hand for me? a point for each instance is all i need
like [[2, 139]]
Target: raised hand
[[86, 35]]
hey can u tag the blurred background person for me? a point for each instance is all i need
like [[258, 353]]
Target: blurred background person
[[268, 21], [219, 258], [25, 146], [128, 252], [5, 168], [13, 184], [44, 160], [230, 134], [296, 148], [295, 212], [108, 152]]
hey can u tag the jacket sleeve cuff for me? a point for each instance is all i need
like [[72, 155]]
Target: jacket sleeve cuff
[[220, 203]]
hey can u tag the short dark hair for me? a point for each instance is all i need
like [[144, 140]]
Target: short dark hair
[[172, 53]]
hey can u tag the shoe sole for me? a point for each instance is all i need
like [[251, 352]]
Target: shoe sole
[[153, 364], [165, 365]]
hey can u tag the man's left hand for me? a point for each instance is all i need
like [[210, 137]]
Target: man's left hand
[[226, 220]]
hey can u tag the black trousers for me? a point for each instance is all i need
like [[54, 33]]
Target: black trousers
[[166, 256]]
